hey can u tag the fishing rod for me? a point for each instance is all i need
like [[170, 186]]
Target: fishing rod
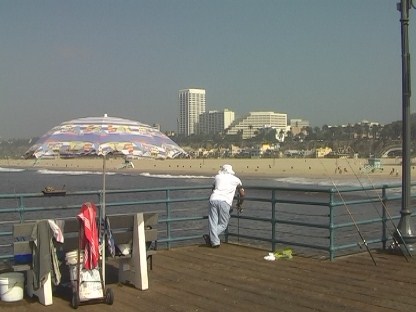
[[385, 209], [350, 214], [238, 225], [239, 211]]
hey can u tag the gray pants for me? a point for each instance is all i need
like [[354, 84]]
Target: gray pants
[[218, 217]]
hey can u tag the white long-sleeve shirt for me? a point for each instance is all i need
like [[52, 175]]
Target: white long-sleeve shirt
[[224, 187]]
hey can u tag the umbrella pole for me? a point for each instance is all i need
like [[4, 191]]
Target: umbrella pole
[[103, 229]]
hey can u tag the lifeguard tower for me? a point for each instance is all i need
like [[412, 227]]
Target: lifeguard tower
[[374, 164]]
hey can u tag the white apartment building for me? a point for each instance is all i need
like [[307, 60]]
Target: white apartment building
[[215, 121], [250, 123], [191, 105]]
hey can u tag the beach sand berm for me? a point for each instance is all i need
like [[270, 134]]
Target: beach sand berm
[[256, 168]]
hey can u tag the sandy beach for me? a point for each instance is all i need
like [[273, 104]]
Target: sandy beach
[[278, 168]]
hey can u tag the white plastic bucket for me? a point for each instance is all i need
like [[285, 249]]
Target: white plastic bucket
[[71, 257], [73, 272], [11, 286]]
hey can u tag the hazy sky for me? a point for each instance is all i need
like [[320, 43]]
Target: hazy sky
[[327, 61]]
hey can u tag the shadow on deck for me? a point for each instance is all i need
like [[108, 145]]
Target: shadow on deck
[[235, 278]]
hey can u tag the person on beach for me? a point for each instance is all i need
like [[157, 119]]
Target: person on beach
[[220, 203]]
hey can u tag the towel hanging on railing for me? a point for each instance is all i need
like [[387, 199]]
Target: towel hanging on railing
[[89, 243]]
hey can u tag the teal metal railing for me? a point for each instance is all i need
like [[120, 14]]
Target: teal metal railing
[[313, 220]]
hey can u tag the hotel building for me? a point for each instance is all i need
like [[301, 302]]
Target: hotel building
[[250, 123], [191, 105], [213, 122]]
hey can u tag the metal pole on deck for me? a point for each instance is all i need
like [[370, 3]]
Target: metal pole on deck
[[407, 234], [102, 219]]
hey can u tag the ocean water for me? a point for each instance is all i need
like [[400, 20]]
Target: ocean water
[[34, 180]]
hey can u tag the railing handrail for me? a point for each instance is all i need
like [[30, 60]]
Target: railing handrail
[[275, 217]]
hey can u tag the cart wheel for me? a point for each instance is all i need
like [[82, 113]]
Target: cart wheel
[[75, 300], [109, 296]]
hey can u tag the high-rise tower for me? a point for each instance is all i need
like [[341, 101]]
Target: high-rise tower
[[191, 105]]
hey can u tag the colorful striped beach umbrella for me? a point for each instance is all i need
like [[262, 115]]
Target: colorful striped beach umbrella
[[102, 136]]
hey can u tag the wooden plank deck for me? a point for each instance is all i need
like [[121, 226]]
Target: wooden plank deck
[[235, 278]]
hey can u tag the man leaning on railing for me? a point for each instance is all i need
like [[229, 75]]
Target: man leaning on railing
[[221, 199]]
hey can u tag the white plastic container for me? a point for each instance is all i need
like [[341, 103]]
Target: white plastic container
[[11, 286], [71, 257], [73, 272]]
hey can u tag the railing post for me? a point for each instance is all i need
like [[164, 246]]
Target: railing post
[[331, 225], [168, 227], [384, 217], [21, 209], [273, 220]]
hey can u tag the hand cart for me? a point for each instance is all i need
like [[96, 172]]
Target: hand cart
[[88, 285]]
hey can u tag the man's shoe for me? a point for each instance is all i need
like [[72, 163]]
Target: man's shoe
[[216, 246], [207, 240]]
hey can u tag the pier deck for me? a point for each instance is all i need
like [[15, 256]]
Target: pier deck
[[235, 278]]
